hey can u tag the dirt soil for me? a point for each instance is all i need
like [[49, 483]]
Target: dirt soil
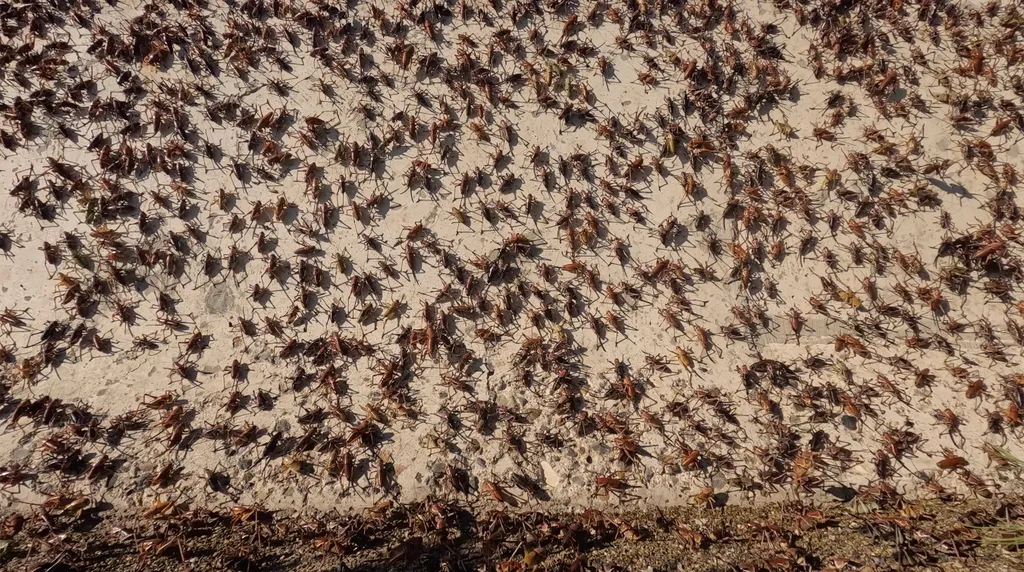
[[439, 535]]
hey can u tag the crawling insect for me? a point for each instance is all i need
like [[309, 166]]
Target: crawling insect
[[612, 484], [951, 421]]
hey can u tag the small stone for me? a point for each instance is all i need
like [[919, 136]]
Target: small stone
[[550, 475], [850, 422], [219, 300]]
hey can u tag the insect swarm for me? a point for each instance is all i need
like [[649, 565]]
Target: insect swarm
[[456, 224]]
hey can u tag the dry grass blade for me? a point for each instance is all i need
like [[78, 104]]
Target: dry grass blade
[[1010, 459], [1007, 534]]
